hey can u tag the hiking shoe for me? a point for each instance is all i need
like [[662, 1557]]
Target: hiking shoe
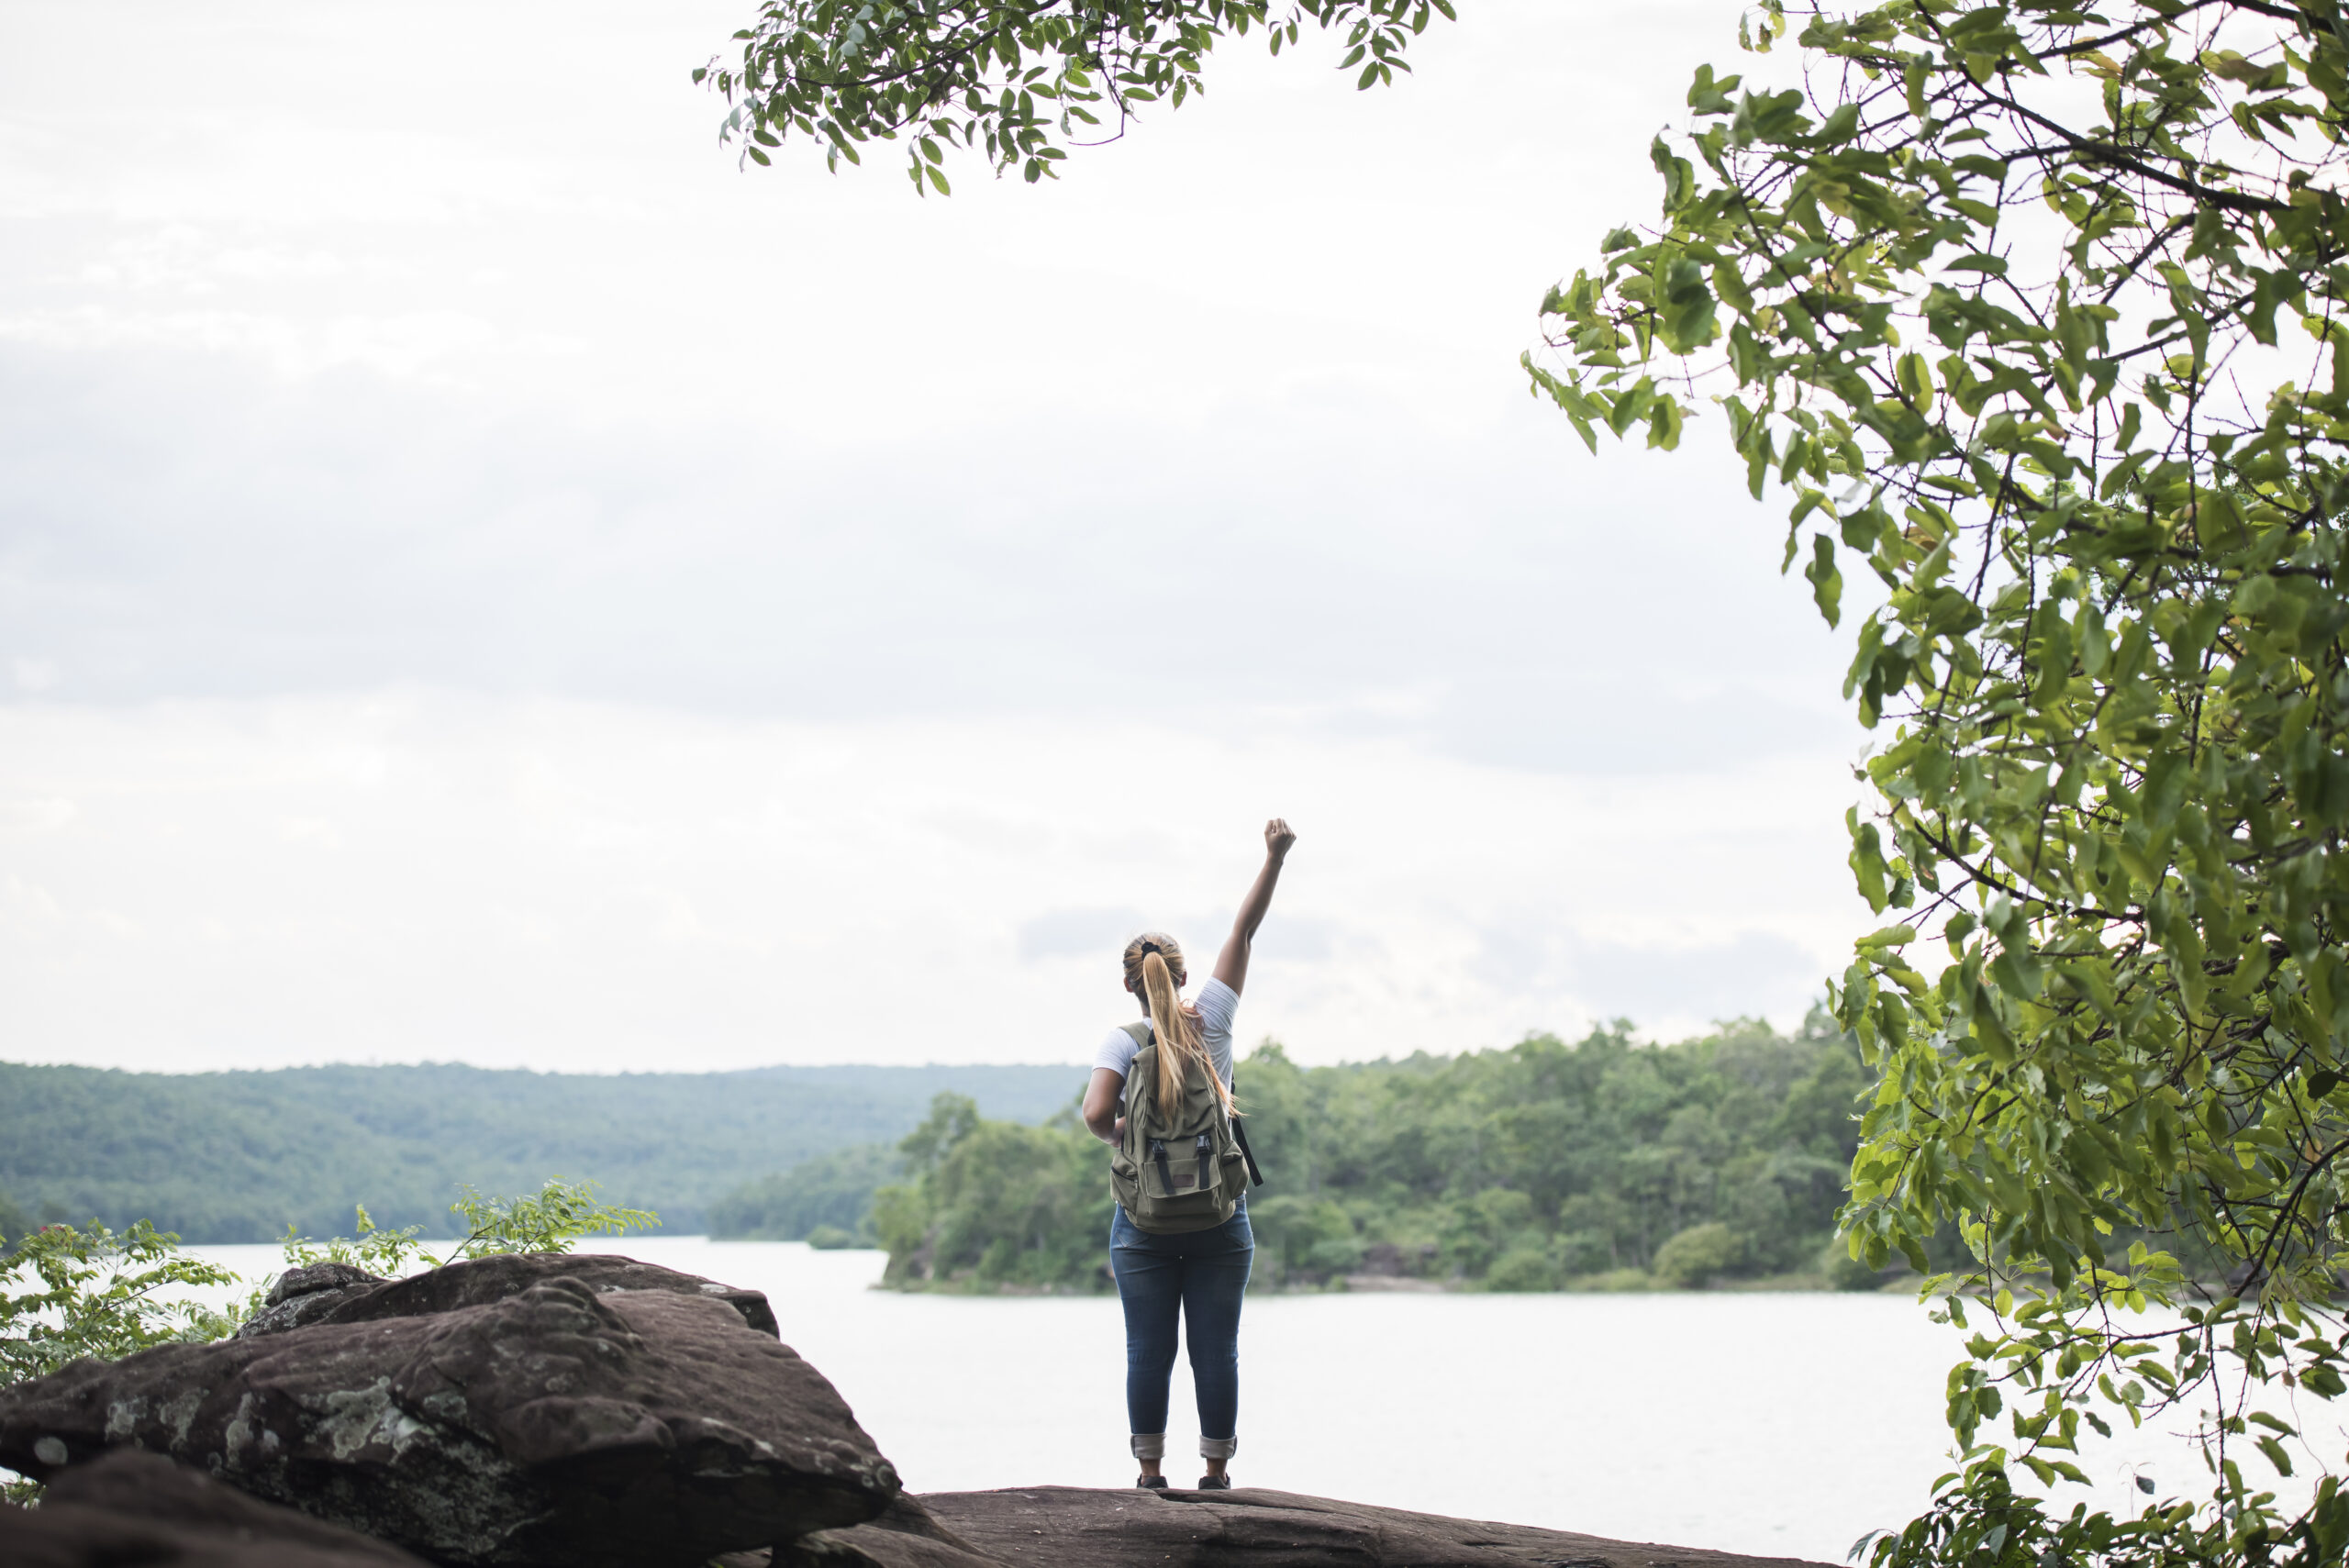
[[1215, 1484], [1150, 1483]]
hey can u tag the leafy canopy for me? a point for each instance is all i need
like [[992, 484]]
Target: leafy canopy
[[2037, 310], [67, 1293], [1021, 83]]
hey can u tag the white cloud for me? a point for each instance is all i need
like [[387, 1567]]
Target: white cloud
[[421, 875], [486, 578]]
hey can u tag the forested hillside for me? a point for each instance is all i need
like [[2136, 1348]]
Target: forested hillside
[[238, 1156], [1600, 1163]]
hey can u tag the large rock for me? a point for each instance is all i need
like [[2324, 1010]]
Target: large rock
[[906, 1535], [1070, 1527], [629, 1428], [301, 1296], [338, 1292], [130, 1510]]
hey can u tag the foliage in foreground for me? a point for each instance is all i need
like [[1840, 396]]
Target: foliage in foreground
[[2038, 312], [1021, 83], [1602, 1164], [67, 1293], [553, 1219]]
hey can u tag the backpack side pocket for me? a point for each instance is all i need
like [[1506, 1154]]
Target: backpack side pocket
[[1125, 1182]]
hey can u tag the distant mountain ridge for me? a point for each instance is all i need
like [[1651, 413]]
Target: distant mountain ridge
[[225, 1156]]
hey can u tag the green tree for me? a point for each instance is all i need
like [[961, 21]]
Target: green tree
[[67, 1293], [1021, 83], [830, 1191], [98, 1293], [2037, 312], [1543, 1166], [1573, 1161], [994, 1205], [1698, 1253]]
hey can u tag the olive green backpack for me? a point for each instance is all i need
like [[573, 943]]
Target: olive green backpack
[[1182, 1166]]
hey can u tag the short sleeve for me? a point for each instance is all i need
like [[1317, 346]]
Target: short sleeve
[[1216, 1005], [1217, 1002], [1116, 1052]]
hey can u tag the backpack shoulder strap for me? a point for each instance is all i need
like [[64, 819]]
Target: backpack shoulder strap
[[1240, 1135], [1140, 1032]]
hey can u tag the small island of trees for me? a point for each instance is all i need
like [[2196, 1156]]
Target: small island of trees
[[1598, 1165]]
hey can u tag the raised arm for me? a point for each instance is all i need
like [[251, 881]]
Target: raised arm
[[1232, 964]]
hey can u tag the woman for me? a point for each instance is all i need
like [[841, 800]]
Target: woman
[[1199, 1274]]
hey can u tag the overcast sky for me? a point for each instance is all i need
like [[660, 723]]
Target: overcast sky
[[484, 578]]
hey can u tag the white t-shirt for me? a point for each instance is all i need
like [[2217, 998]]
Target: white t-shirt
[[1216, 1005]]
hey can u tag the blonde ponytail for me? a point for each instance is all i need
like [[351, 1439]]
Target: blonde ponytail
[[1153, 965], [1168, 1027]]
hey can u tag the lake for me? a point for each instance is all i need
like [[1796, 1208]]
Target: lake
[[1779, 1425]]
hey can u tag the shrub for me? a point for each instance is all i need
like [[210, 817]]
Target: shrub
[[1336, 1255], [1697, 1254], [552, 1219], [829, 1238], [95, 1292], [1522, 1268], [1612, 1280], [1581, 1252]]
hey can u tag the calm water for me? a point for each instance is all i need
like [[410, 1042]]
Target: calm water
[[1775, 1424]]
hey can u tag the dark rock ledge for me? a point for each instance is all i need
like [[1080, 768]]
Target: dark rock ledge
[[524, 1410], [130, 1509], [550, 1411], [1072, 1527]]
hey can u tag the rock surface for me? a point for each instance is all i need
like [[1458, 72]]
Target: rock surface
[[338, 1292], [1071, 1526], [139, 1510], [607, 1417], [304, 1296], [906, 1535]]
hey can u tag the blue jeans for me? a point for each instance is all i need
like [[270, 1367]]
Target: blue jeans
[[1200, 1275]]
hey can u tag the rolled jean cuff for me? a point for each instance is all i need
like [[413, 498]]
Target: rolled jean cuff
[[1218, 1448], [1149, 1445]]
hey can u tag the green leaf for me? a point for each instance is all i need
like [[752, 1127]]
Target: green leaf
[[1707, 96], [1866, 859], [1826, 582]]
